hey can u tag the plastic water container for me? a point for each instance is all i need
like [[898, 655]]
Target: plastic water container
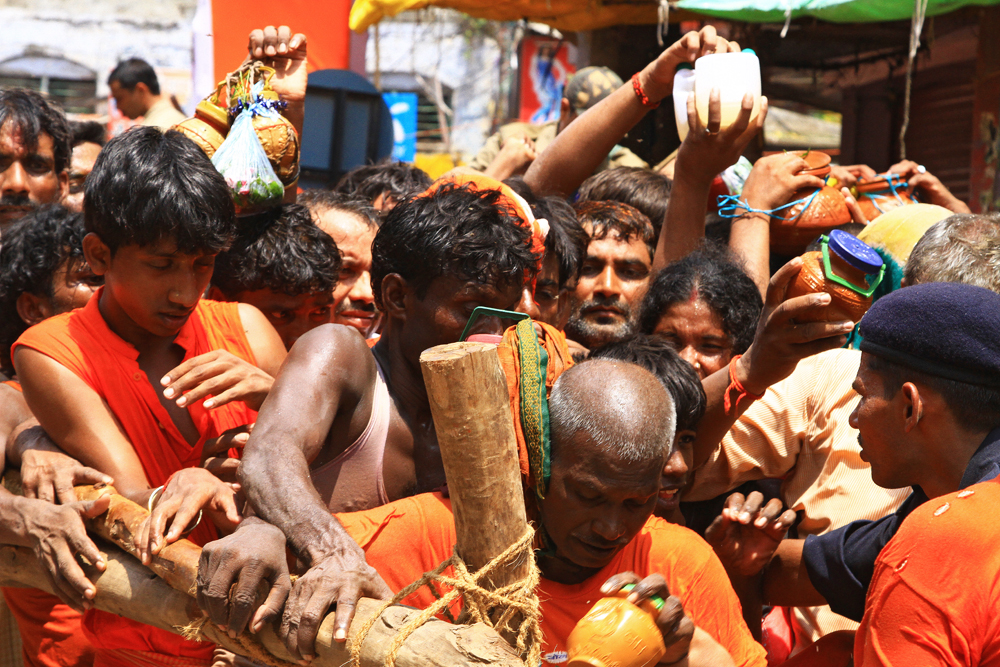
[[735, 75], [683, 87]]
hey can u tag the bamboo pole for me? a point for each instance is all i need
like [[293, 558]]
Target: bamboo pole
[[471, 410]]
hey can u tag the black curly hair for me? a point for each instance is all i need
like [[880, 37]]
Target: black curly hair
[[397, 180], [32, 115], [149, 185], [33, 249], [643, 189], [717, 277], [661, 359], [457, 229], [283, 251], [627, 222]]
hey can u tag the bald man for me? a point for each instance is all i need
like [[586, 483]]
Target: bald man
[[612, 425]]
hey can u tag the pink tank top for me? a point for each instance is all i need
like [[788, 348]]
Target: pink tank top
[[353, 481]]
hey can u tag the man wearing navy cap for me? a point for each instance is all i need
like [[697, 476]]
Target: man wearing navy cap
[[929, 418]]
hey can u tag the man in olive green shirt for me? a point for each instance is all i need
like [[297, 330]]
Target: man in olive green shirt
[[511, 150]]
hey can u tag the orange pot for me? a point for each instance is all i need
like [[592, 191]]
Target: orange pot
[[801, 224], [616, 633], [281, 143], [882, 194], [207, 128], [845, 303]]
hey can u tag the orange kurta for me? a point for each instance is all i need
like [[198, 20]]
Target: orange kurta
[[50, 630], [82, 341], [406, 538]]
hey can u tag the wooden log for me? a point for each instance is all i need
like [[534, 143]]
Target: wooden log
[[176, 564], [129, 589], [471, 410]]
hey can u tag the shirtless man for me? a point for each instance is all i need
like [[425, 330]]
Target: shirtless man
[[349, 428]]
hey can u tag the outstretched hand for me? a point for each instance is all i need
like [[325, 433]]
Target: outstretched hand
[[253, 555], [707, 151], [775, 179], [286, 53], [659, 74], [341, 579], [188, 492], [675, 625], [781, 342], [57, 535], [220, 375], [747, 532], [47, 473]]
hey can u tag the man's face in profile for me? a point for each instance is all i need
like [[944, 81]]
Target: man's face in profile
[[28, 176]]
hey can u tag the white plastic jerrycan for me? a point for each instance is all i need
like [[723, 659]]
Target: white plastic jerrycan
[[735, 75]]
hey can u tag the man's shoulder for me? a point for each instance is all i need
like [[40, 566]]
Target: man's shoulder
[[956, 517], [59, 330], [660, 541]]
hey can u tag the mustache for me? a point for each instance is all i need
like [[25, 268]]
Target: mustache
[[607, 302], [18, 201], [347, 304]]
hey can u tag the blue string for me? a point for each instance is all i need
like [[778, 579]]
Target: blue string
[[893, 181], [728, 205]]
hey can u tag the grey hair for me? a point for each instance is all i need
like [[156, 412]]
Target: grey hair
[[625, 413], [963, 248]]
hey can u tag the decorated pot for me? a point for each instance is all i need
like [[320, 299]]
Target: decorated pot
[[845, 268], [815, 212], [207, 128], [881, 194], [281, 143]]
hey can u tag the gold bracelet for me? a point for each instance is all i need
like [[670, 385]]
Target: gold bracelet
[[153, 497]]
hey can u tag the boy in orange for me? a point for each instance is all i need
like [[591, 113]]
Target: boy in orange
[[139, 381], [611, 425]]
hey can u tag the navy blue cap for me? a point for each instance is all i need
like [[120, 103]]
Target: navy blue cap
[[855, 252], [948, 330]]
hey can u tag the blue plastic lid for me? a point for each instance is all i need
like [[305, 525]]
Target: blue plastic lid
[[684, 66], [854, 251], [750, 51]]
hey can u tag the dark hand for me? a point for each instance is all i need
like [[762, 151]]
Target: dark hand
[[57, 535], [775, 179], [215, 454], [50, 475], [220, 374], [746, 534], [780, 342], [707, 151], [676, 626], [286, 53], [339, 579], [191, 490], [849, 175], [253, 555]]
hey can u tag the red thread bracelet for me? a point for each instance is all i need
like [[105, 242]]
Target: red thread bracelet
[[741, 391], [643, 99]]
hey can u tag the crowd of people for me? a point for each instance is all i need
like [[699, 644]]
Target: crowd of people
[[800, 489]]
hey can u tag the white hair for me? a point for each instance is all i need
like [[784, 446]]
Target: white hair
[[962, 248]]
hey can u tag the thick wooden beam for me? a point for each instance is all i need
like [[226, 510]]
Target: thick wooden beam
[[471, 410]]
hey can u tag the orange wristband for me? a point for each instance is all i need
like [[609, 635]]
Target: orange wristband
[[737, 386]]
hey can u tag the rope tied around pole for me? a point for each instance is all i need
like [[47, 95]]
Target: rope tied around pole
[[515, 599]]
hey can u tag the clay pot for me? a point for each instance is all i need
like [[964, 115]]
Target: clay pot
[[281, 143], [800, 224], [616, 633], [876, 196], [819, 163], [845, 303], [207, 128]]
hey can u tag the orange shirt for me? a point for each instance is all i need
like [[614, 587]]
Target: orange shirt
[[406, 538], [936, 590], [82, 342]]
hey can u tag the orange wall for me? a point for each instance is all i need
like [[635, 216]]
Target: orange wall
[[324, 22]]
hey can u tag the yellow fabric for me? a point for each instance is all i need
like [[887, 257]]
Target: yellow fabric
[[898, 230], [569, 15], [799, 432]]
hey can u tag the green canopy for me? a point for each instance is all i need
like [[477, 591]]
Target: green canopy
[[838, 11]]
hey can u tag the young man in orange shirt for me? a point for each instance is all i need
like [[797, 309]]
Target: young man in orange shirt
[[142, 382]]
